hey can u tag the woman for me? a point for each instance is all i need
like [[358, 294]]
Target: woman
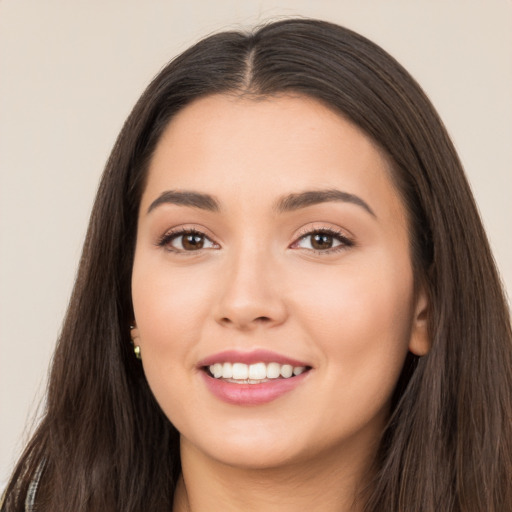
[[286, 300]]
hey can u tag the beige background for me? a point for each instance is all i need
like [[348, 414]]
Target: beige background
[[71, 71]]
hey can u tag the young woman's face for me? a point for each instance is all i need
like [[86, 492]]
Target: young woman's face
[[271, 242]]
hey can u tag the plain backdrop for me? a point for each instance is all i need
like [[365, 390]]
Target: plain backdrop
[[70, 73]]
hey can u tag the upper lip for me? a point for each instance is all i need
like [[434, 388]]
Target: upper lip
[[251, 357]]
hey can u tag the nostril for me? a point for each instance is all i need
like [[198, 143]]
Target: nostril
[[258, 320]]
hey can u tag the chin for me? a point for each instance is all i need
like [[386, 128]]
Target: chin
[[247, 449], [254, 457]]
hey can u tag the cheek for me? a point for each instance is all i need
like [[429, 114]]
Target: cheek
[[168, 306], [170, 311], [360, 319]]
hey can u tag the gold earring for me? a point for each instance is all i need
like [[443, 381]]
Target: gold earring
[[136, 348]]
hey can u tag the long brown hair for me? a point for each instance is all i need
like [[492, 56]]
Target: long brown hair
[[104, 444]]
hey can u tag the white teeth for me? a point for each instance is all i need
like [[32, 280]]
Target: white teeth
[[227, 370], [240, 371], [216, 370], [255, 372], [258, 371], [273, 370], [286, 371]]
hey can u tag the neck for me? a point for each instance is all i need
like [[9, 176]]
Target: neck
[[330, 483]]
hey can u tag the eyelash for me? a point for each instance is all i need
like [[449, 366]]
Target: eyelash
[[167, 238], [345, 242]]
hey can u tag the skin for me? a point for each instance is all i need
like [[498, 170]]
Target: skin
[[350, 311]]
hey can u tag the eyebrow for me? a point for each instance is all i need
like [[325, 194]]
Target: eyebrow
[[186, 198], [287, 203], [294, 202]]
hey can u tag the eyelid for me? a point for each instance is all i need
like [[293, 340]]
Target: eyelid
[[181, 230], [347, 239]]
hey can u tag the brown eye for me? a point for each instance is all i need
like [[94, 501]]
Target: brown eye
[[192, 242], [187, 241], [322, 241]]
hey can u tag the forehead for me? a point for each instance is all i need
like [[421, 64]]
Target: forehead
[[258, 148]]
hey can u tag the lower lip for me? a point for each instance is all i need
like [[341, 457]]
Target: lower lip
[[251, 394]]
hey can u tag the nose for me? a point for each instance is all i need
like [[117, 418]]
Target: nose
[[251, 294]]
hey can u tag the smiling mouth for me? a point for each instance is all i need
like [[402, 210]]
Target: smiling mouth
[[258, 373]]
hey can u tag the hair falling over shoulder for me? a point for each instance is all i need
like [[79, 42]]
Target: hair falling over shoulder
[[104, 444]]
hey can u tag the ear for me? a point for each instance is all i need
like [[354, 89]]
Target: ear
[[420, 343], [134, 331]]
